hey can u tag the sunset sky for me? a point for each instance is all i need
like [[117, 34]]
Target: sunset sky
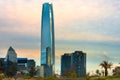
[[91, 26]]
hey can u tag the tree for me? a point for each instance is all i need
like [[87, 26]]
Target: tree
[[102, 72], [106, 66], [70, 73], [32, 71], [73, 75], [11, 69], [67, 72], [98, 72], [2, 76], [88, 76], [116, 71], [1, 67]]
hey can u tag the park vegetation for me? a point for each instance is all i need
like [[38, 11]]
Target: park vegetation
[[10, 74]]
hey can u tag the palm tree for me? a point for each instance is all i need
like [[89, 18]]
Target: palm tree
[[106, 66]]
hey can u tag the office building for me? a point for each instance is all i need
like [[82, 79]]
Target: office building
[[10, 59], [22, 64], [11, 55], [30, 63], [65, 64], [47, 40], [74, 62], [78, 62]]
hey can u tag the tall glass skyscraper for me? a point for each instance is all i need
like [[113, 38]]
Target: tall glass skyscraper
[[47, 40]]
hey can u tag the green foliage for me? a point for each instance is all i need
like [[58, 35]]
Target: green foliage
[[41, 78], [98, 72], [1, 67], [70, 73], [27, 77], [54, 78], [37, 78], [73, 75], [100, 78], [51, 78], [102, 72], [97, 78], [11, 71], [106, 65], [88, 76], [2, 76], [116, 71], [105, 78], [32, 71]]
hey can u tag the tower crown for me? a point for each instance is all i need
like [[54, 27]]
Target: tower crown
[[11, 49]]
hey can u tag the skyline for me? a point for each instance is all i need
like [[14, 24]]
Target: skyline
[[95, 29]]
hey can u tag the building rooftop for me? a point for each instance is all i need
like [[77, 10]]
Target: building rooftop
[[11, 49], [22, 60], [79, 52]]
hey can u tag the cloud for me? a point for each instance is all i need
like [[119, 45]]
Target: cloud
[[81, 10], [24, 18], [105, 56], [20, 17], [86, 36]]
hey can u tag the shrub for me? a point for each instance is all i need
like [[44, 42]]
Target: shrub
[[2, 76], [27, 77]]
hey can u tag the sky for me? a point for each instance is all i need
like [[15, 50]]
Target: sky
[[91, 26]]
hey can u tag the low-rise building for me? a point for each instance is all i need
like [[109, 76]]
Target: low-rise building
[[22, 64]]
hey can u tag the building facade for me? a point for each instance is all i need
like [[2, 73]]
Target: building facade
[[65, 64], [11, 55], [78, 62], [74, 62], [30, 63], [10, 60], [47, 40], [25, 64], [21, 64]]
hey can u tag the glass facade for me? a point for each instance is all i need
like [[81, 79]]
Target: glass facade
[[74, 62], [47, 39], [79, 63], [65, 64]]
